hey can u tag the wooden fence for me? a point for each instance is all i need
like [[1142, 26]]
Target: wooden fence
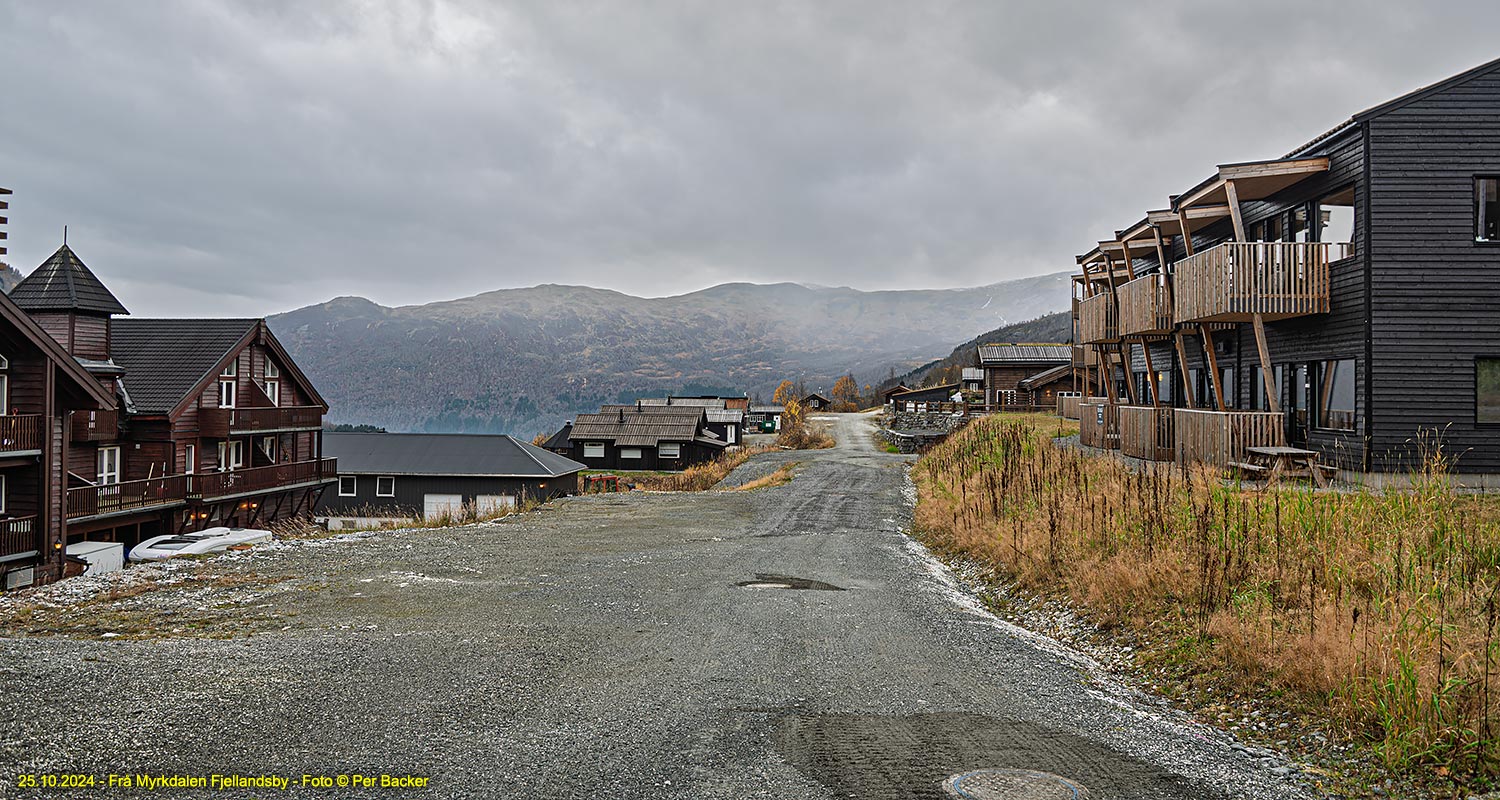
[[1146, 307], [109, 498], [1098, 319], [1067, 404], [1146, 432], [18, 535], [1233, 281], [1099, 424], [1220, 437]]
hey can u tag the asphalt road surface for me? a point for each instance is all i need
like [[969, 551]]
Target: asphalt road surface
[[789, 642]]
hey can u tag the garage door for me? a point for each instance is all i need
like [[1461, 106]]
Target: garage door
[[494, 503], [436, 505]]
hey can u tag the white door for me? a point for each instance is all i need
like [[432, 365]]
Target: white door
[[493, 503], [436, 505]]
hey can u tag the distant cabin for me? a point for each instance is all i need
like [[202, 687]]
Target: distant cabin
[[429, 475], [644, 437], [816, 402], [886, 395], [1005, 366], [922, 400]]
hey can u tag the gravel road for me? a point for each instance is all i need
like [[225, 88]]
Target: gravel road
[[789, 642]]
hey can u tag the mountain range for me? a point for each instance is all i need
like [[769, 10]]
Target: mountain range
[[523, 360]]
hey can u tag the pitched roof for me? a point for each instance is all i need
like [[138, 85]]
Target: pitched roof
[[63, 283], [819, 396], [1007, 353], [1046, 376], [641, 428], [944, 388], [50, 347], [766, 408], [559, 440], [475, 455], [734, 415], [164, 359]]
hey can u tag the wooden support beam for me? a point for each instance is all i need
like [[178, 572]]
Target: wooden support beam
[[1234, 211], [1182, 367], [1151, 376], [1129, 373], [1213, 365], [1267, 376], [1161, 252], [1129, 260], [1187, 233]]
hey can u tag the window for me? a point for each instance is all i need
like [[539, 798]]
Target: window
[[1487, 390], [273, 392], [348, 486], [1258, 387], [1336, 218], [730, 434], [593, 450], [268, 448], [1231, 389], [671, 450], [109, 465], [2, 494], [4, 393], [1487, 209], [385, 486], [1297, 228], [231, 369], [231, 455], [271, 369], [227, 394], [1336, 395], [190, 459], [630, 452]]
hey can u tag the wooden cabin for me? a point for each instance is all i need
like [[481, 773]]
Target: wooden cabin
[[642, 437], [1339, 298], [432, 475], [928, 399], [207, 422], [1005, 366], [816, 402]]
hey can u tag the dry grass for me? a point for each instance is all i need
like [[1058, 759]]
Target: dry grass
[[1375, 610], [782, 476], [699, 477]]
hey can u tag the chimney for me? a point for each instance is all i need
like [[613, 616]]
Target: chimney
[[638, 405], [622, 415]]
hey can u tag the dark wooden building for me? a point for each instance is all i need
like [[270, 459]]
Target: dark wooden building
[[925, 399], [1006, 365], [816, 402], [643, 437], [431, 475], [1344, 297], [1041, 389]]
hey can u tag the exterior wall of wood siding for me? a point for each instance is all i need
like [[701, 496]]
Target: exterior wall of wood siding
[[410, 489]]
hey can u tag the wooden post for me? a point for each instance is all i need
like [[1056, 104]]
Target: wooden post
[[1151, 375], [1187, 388], [1129, 374], [1267, 376], [1213, 365], [1129, 265], [1161, 252], [1187, 234], [1233, 197]]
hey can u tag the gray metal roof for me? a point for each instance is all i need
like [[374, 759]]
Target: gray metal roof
[[443, 454], [164, 359], [684, 402], [1046, 376], [559, 440], [733, 415], [766, 408], [63, 283], [1026, 353], [644, 427]]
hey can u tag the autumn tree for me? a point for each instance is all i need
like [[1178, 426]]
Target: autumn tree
[[846, 393], [785, 393]]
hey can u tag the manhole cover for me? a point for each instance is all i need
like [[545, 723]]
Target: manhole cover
[[767, 581], [1012, 784]]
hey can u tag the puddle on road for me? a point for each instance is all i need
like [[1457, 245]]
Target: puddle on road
[[767, 581]]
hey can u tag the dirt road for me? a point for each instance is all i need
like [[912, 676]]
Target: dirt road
[[789, 642]]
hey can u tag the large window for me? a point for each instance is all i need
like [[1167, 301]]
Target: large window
[[1336, 395], [632, 453], [385, 486], [593, 450], [109, 465], [1487, 390], [666, 450], [231, 455], [226, 393], [1487, 209], [1258, 387], [1336, 217]]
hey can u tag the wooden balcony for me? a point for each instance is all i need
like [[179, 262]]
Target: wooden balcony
[[1099, 423], [217, 423], [1146, 307], [96, 426], [20, 434], [1234, 281], [18, 536], [1084, 357], [1098, 320], [114, 498], [212, 485], [1220, 437], [1146, 433]]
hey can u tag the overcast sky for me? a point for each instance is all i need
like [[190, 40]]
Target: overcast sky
[[247, 158]]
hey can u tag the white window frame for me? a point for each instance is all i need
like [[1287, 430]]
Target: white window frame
[[631, 453], [392, 492], [4, 362], [190, 459], [353, 486], [232, 369], [231, 455], [268, 445], [273, 391], [228, 393], [593, 449], [675, 451], [4, 393], [3, 498], [729, 437], [272, 371], [107, 466]]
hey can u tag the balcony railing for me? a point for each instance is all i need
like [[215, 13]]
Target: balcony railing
[[18, 535], [20, 433], [219, 484], [96, 426], [1146, 307], [1234, 281], [1098, 319], [1220, 437], [217, 423], [110, 498], [1099, 423], [1146, 433]]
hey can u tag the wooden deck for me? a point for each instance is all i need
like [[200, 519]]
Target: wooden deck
[[1234, 281], [1099, 424], [1146, 307], [1220, 438], [1146, 433], [1098, 319]]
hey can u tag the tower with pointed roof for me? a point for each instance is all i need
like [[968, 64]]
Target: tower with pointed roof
[[70, 303]]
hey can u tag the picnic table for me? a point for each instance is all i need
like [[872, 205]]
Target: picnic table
[[1284, 462]]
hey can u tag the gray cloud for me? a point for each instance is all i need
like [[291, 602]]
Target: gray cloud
[[223, 157]]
